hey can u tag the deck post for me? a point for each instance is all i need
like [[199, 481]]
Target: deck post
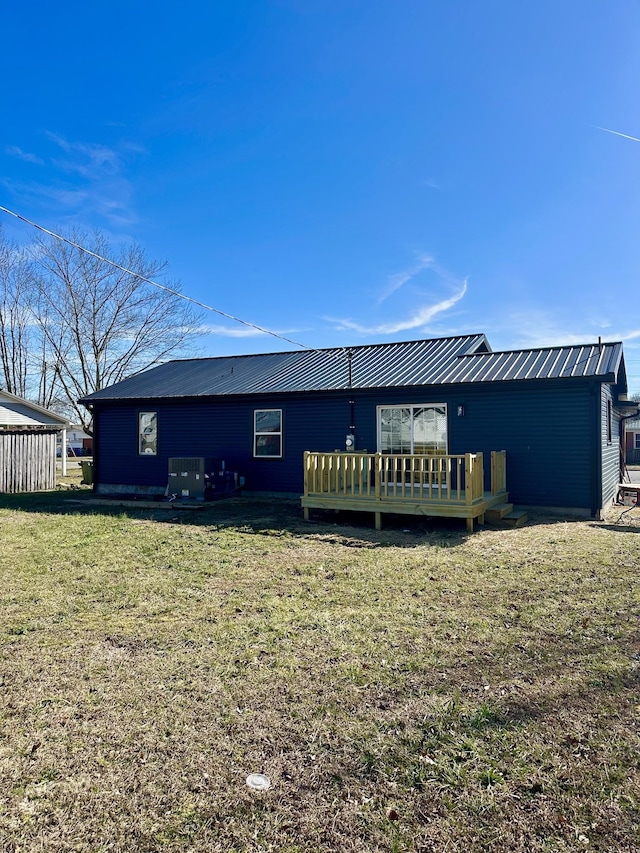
[[378, 516], [494, 473], [470, 525], [498, 471], [378, 466], [468, 481]]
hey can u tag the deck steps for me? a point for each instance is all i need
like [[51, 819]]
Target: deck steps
[[498, 512], [504, 515]]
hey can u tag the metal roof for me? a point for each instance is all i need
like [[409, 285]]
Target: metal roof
[[16, 412], [435, 361], [600, 360]]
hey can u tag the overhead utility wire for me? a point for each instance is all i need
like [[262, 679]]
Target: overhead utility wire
[[154, 283]]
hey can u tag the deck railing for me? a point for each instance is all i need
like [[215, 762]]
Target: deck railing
[[455, 479]]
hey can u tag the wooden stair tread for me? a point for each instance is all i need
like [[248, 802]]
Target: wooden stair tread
[[511, 518], [516, 518], [498, 511]]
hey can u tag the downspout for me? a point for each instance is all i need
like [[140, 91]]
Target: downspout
[[94, 424], [596, 438], [596, 450]]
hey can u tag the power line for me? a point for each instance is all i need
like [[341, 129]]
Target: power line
[[154, 283]]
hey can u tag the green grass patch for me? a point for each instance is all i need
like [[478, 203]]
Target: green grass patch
[[404, 691]]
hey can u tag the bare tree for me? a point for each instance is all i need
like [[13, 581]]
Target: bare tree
[[99, 324], [16, 322]]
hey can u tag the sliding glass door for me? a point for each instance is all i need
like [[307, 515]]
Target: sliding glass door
[[419, 430], [418, 433]]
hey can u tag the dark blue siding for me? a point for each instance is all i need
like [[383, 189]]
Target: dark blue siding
[[546, 431], [545, 427], [221, 428]]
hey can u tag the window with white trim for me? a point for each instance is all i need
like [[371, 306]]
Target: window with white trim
[[636, 441], [267, 433], [148, 433], [415, 429]]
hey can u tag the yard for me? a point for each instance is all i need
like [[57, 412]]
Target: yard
[[411, 689]]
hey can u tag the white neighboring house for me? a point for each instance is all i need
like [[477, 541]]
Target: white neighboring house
[[632, 441], [28, 438], [77, 440]]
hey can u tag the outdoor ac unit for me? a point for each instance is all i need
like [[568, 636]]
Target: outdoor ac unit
[[188, 476]]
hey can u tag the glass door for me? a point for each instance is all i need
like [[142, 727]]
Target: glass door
[[413, 431], [417, 430]]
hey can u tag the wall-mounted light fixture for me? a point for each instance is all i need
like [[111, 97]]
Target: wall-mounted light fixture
[[461, 411]]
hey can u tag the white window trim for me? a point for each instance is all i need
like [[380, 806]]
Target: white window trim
[[280, 433]]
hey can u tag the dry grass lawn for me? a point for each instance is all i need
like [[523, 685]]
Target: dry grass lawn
[[418, 690]]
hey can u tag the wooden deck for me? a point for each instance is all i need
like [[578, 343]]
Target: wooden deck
[[448, 486]]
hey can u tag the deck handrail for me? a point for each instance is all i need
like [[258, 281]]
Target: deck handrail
[[454, 478]]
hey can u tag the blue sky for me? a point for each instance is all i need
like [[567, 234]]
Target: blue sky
[[344, 172]]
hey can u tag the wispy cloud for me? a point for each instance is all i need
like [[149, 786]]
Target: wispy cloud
[[398, 280], [539, 328], [15, 151], [85, 181], [229, 331], [616, 133], [418, 319], [630, 336], [421, 281], [240, 331], [92, 161]]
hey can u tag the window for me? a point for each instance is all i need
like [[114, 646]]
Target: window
[[636, 442], [267, 433], [148, 433], [419, 430]]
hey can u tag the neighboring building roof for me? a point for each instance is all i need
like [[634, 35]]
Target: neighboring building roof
[[436, 361], [16, 412], [632, 424]]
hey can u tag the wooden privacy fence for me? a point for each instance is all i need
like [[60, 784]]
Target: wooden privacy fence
[[27, 460]]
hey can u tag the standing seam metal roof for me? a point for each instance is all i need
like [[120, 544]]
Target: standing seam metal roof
[[438, 361]]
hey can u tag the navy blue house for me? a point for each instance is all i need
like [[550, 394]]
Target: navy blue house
[[557, 412]]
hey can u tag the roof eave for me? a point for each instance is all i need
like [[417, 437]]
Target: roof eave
[[58, 419]]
